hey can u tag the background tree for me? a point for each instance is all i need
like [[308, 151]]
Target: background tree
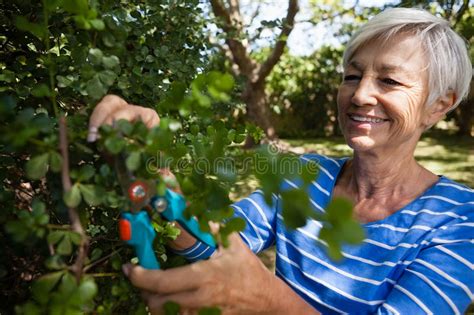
[[254, 73]]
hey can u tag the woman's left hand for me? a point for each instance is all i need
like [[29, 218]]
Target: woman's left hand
[[233, 279]]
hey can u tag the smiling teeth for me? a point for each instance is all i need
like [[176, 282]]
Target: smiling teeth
[[368, 119]]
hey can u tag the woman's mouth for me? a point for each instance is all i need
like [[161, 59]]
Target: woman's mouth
[[366, 119]]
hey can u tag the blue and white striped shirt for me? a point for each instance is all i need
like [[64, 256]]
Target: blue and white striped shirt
[[417, 260]]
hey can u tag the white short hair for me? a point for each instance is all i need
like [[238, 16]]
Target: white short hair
[[449, 64]]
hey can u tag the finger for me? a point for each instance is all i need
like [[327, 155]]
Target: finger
[[147, 115], [103, 109], [214, 226], [150, 118], [125, 113], [167, 281], [134, 113]]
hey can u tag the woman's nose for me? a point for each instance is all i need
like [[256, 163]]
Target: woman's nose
[[365, 93]]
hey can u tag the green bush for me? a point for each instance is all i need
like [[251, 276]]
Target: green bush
[[60, 248]]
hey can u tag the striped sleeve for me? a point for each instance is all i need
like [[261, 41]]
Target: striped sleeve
[[258, 234], [199, 251], [441, 279]]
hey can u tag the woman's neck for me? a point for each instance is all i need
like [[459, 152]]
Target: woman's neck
[[371, 177]]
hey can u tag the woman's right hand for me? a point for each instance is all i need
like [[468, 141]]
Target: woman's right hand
[[112, 108]]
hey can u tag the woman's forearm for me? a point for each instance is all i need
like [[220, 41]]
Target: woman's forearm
[[286, 301]]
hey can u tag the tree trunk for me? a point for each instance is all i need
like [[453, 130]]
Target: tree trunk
[[258, 111], [465, 115], [254, 94], [465, 118]]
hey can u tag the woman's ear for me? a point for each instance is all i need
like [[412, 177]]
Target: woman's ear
[[439, 108]]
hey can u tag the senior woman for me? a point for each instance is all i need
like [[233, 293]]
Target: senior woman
[[403, 71]]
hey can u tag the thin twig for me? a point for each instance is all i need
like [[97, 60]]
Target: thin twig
[[95, 263], [73, 215], [105, 274]]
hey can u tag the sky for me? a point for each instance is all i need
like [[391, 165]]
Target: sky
[[305, 37]]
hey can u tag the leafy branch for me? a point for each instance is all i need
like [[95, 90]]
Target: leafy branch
[[76, 226]]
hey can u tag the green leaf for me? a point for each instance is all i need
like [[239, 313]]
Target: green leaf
[[24, 24], [87, 291], [194, 129], [95, 56], [80, 7], [110, 62], [92, 194], [171, 308], [75, 237], [115, 145], [107, 77], [86, 172], [231, 135], [54, 237], [55, 161], [38, 206], [37, 167], [209, 311], [51, 5], [296, 207], [17, 230], [133, 161], [97, 24], [39, 212], [64, 247], [222, 82], [96, 254], [55, 262], [42, 287], [64, 81], [41, 90], [124, 126], [233, 225], [95, 88], [352, 232], [72, 198]]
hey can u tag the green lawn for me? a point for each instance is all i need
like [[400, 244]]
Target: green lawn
[[443, 154]]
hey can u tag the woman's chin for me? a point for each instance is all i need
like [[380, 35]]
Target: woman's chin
[[360, 143]]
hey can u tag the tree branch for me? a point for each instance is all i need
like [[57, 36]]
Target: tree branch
[[237, 47], [461, 11], [101, 260], [255, 14], [275, 55], [76, 225]]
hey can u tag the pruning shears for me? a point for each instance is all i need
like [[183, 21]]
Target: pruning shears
[[135, 225]]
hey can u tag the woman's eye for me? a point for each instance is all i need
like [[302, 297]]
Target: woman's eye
[[390, 81], [351, 77]]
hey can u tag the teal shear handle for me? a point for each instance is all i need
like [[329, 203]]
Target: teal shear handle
[[171, 206], [136, 230]]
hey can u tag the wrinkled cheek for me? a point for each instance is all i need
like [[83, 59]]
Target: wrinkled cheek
[[342, 103], [404, 125]]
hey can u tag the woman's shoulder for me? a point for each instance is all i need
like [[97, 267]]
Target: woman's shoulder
[[448, 189], [323, 160], [451, 198]]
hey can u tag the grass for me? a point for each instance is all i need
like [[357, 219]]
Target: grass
[[441, 153]]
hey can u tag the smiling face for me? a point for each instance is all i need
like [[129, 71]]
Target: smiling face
[[381, 100]]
